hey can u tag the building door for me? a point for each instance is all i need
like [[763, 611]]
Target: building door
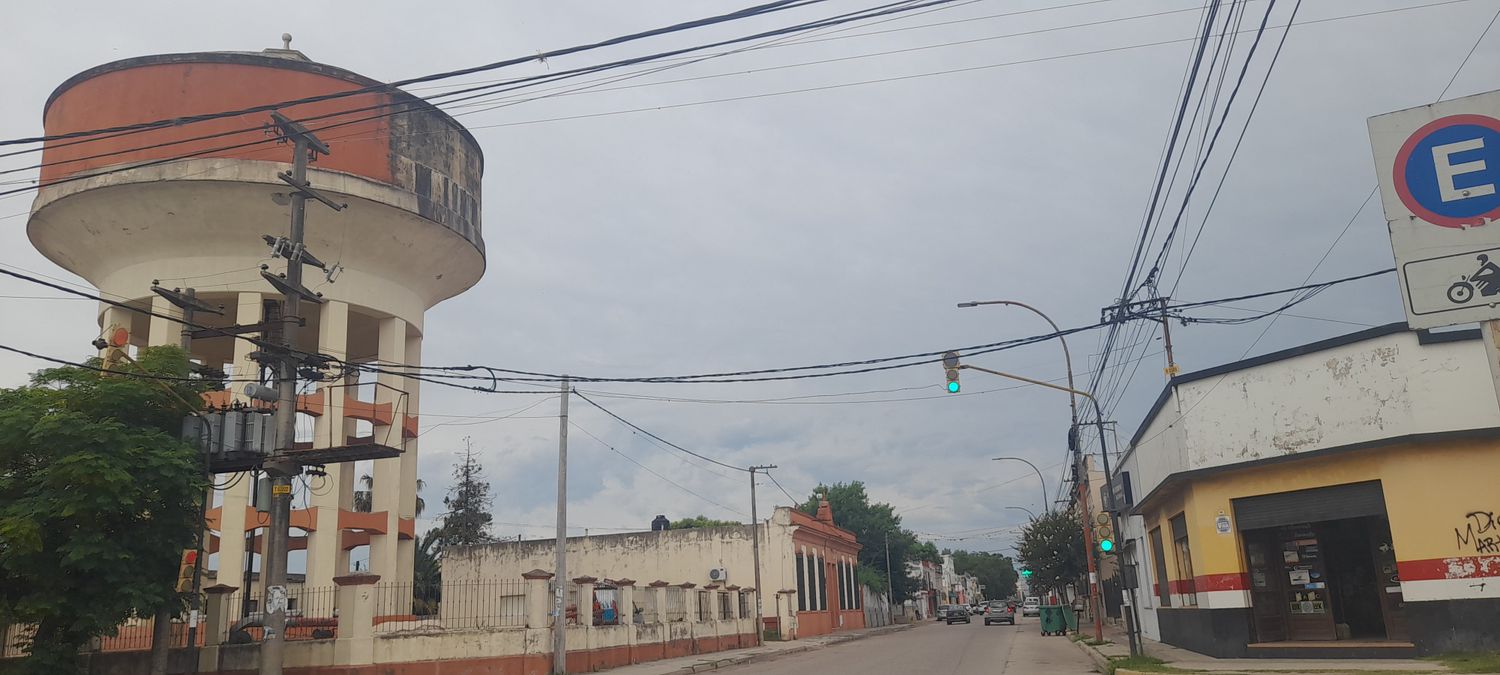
[[1267, 590], [1388, 582], [1309, 607]]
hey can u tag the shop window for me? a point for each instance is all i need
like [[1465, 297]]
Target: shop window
[[1159, 563], [801, 584], [1183, 554]]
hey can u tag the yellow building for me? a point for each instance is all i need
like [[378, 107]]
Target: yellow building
[[1335, 499]]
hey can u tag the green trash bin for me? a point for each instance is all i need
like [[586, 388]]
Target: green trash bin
[[1071, 617], [1054, 619]]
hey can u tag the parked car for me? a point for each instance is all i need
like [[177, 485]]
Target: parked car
[[1032, 607], [999, 611], [942, 611], [955, 614]]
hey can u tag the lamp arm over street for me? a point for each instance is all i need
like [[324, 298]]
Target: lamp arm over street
[[1038, 476]]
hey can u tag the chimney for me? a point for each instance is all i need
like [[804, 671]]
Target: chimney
[[825, 512]]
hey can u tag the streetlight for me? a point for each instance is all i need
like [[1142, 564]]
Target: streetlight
[[1022, 508], [1073, 394], [1038, 475]]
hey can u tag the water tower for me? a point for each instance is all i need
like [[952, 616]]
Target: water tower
[[409, 239]]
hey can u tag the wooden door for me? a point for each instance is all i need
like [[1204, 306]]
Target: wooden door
[[1387, 581], [1309, 604], [1268, 608]]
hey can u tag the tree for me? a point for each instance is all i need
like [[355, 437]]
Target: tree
[[994, 571], [872, 524], [427, 573], [700, 521], [467, 522], [1052, 547], [364, 500], [99, 497]]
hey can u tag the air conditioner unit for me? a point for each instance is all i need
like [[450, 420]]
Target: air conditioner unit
[[718, 574]]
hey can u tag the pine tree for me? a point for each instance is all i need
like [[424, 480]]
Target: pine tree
[[467, 522]]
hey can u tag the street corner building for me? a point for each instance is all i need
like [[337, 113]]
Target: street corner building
[[192, 205], [679, 577], [1337, 499]]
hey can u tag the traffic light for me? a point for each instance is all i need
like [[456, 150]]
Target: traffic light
[[1104, 532], [1026, 572], [185, 570], [950, 367]]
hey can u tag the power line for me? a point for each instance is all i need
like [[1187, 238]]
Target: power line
[[632, 460], [632, 425], [124, 373], [783, 490], [767, 8]]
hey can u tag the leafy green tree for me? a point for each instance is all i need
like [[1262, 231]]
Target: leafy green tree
[[872, 524], [1052, 547], [700, 521], [467, 522], [926, 552], [99, 496], [996, 572]]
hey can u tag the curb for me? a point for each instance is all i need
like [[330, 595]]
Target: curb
[[1101, 662], [770, 656]]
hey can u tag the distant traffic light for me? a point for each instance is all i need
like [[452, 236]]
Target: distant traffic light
[[950, 367], [1026, 572], [185, 570]]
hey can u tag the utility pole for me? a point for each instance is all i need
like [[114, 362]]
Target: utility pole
[[760, 627], [281, 467], [560, 575]]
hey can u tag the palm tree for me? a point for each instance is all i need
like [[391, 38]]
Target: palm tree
[[364, 500]]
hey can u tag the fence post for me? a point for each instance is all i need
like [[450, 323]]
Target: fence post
[[690, 600], [625, 607], [585, 599], [356, 602], [215, 627], [538, 598], [659, 599]]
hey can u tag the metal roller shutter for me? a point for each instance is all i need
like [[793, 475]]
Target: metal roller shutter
[[1335, 502]]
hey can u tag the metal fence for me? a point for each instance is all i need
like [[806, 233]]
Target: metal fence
[[490, 603], [311, 614], [676, 604]]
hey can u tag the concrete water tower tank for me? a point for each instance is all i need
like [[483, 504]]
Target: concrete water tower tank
[[409, 239]]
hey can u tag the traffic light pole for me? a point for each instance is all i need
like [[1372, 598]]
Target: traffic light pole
[[1088, 545]]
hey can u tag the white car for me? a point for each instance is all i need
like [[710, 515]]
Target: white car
[[1032, 607]]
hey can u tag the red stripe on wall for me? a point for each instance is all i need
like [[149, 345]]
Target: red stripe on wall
[[1234, 581], [1460, 567]]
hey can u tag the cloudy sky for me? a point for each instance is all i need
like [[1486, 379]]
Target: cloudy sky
[[667, 230]]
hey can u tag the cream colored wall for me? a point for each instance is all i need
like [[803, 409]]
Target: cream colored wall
[[673, 556]]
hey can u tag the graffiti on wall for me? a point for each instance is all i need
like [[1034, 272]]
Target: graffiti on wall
[[1480, 531]]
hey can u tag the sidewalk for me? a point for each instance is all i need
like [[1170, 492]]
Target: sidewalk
[[1177, 657], [733, 657]]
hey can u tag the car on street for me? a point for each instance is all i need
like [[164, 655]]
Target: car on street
[[1032, 607], [952, 614], [999, 611]]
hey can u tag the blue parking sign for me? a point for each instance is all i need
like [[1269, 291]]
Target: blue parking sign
[[1448, 171]]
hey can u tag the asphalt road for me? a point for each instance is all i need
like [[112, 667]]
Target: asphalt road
[[934, 647]]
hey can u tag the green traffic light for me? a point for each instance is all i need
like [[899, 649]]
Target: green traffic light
[[1025, 573], [953, 387], [1106, 545]]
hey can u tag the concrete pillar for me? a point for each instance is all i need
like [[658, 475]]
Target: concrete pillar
[[585, 586], [538, 598], [326, 557], [406, 549], [658, 591], [356, 601], [690, 596], [217, 613], [236, 498], [626, 598], [387, 488]]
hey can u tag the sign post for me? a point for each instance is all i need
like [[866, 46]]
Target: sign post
[[1439, 172]]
